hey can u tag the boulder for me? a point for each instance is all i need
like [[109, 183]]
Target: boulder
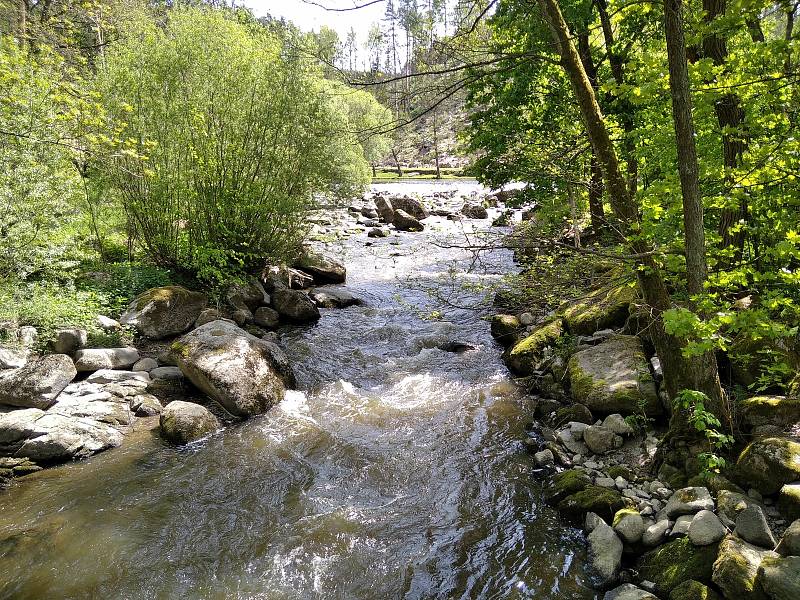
[[688, 501], [600, 439], [790, 542], [614, 377], [565, 484], [95, 359], [618, 425], [706, 528], [410, 206], [752, 526], [474, 211], [207, 315], [693, 590], [405, 222], [673, 563], [629, 525], [168, 373], [324, 269], [681, 526], [769, 463], [606, 552], [378, 232], [276, 277], [113, 376], [145, 405], [779, 578], [577, 413], [628, 591], [294, 305], [789, 500], [11, 358], [247, 295], [266, 317], [163, 312], [607, 307], [244, 374], [736, 569], [184, 422], [145, 364], [505, 328], [592, 498], [526, 355], [38, 383], [69, 341], [779, 411], [730, 504], [334, 298], [384, 209], [655, 533]]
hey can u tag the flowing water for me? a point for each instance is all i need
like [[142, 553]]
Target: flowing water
[[396, 471]]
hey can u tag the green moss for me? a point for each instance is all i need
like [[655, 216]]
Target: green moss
[[161, 294], [603, 308], [505, 328], [714, 482], [565, 483], [621, 471], [769, 463], [693, 590], [180, 348], [576, 413], [526, 354], [672, 476], [602, 501], [674, 563], [621, 514], [789, 502], [770, 410]]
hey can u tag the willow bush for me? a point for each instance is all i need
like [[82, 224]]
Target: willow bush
[[223, 135]]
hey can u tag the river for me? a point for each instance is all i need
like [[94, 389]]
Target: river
[[396, 471]]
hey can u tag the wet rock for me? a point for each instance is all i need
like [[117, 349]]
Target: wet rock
[[385, 209], [600, 439], [629, 525], [577, 413], [736, 568], [165, 311], [605, 308], [38, 383], [673, 563], [95, 359], [266, 317], [405, 222], [244, 374], [544, 458], [591, 522], [770, 463], [525, 356], [184, 422], [593, 498], [145, 405], [474, 211], [613, 377], [688, 501], [628, 591], [565, 484], [752, 526], [378, 232], [334, 298], [606, 552], [324, 269], [248, 296], [69, 341], [779, 578], [369, 213], [706, 528], [168, 373], [294, 305]]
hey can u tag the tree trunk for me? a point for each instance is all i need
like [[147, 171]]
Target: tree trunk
[[596, 211], [680, 372], [397, 163], [436, 147], [695, 237]]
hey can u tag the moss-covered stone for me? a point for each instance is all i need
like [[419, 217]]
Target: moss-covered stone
[[779, 577], [601, 309], [564, 484], [165, 311], [793, 389], [614, 377], [693, 590], [672, 476], [602, 501], [780, 411], [524, 357], [674, 563], [577, 413], [746, 356], [736, 568], [621, 471], [789, 501], [505, 328], [714, 482], [770, 463]]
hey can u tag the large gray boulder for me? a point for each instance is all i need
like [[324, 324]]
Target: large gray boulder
[[600, 439], [790, 542], [385, 209], [606, 552], [736, 568], [410, 205], [474, 211], [769, 463], [266, 317], [405, 222], [334, 297], [688, 501], [184, 422], [779, 578], [628, 591], [244, 374], [614, 377], [163, 312], [324, 269], [248, 296], [37, 384], [69, 341], [752, 526], [95, 359], [706, 528], [294, 305]]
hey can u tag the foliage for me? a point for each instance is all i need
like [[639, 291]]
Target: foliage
[[693, 404]]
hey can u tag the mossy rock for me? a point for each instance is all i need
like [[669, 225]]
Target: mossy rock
[[599, 500], [614, 377], [793, 389], [621, 514], [606, 307], [693, 590], [736, 568], [672, 476], [165, 311], [620, 471], [789, 501], [714, 482], [746, 357], [524, 357], [564, 484], [576, 413], [505, 328], [770, 463], [780, 411], [676, 562]]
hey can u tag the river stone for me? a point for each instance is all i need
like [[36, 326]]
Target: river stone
[[95, 359], [244, 374], [677, 561], [385, 209], [618, 424], [544, 458], [247, 295], [405, 222], [145, 405], [294, 305], [38, 383], [614, 377], [608, 307], [752, 526], [69, 341], [790, 543], [591, 522], [379, 232], [409, 205], [655, 533], [628, 591], [606, 552], [145, 365], [706, 528], [525, 356], [730, 504], [681, 526], [600, 440], [266, 317], [11, 358], [565, 484], [324, 269], [693, 590], [629, 525], [504, 328], [789, 501], [736, 568], [474, 211], [592, 498], [183, 422], [333, 298], [168, 373], [780, 577], [770, 463], [688, 501], [780, 411], [163, 312], [114, 376]]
